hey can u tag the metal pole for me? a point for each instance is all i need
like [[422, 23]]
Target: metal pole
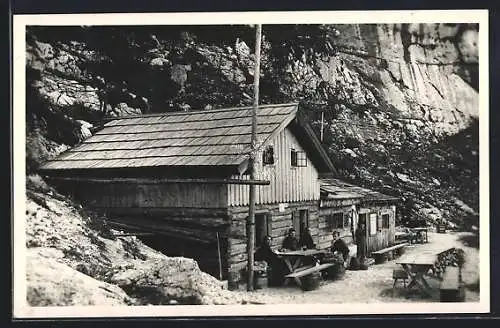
[[251, 205]]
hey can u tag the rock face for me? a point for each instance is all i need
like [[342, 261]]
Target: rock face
[[51, 283], [416, 72]]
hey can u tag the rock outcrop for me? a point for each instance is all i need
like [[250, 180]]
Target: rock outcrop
[[73, 258]]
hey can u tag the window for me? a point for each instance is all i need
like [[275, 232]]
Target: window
[[385, 221], [268, 156], [298, 158], [336, 220], [347, 220], [263, 227], [379, 223]]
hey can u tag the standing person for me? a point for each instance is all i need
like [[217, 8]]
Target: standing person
[[361, 243], [306, 239], [291, 242]]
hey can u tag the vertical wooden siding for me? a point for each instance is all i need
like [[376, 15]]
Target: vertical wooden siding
[[182, 195], [288, 184], [384, 237]]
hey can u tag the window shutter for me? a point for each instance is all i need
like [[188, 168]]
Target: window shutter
[[269, 225]]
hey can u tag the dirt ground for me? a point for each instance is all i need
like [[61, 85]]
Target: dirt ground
[[376, 284]]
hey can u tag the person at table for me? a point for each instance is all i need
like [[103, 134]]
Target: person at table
[[265, 252], [339, 245], [291, 242], [361, 242], [306, 239], [276, 267]]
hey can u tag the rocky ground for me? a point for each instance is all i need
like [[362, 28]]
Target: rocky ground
[[74, 259]]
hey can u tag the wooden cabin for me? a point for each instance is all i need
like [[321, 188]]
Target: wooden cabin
[[180, 176], [343, 205]]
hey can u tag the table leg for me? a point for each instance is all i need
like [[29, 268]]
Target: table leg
[[297, 264], [290, 270], [423, 285], [411, 275]]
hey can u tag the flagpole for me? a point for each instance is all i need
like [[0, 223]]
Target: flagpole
[[251, 205]]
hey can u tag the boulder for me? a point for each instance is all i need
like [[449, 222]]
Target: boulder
[[51, 283], [172, 278]]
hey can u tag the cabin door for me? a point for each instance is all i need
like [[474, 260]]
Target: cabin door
[[300, 220], [262, 227]]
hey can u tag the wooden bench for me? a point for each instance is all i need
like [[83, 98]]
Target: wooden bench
[[380, 256], [451, 289], [308, 270], [309, 280]]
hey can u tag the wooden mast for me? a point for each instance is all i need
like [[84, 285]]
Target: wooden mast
[[251, 206]]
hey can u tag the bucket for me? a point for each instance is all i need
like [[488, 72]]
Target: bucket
[[260, 280], [233, 281], [311, 281], [335, 272]]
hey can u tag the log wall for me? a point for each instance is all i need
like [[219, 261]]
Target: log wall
[[281, 221], [180, 195]]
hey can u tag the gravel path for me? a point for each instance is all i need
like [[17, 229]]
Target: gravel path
[[375, 284]]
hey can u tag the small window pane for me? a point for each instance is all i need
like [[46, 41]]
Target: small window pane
[[268, 156], [301, 158], [336, 220], [385, 221]]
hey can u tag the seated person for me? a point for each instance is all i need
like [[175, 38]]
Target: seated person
[[264, 252], [306, 239], [291, 242], [339, 245], [276, 267]]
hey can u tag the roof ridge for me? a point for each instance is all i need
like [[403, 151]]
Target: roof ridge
[[227, 109]]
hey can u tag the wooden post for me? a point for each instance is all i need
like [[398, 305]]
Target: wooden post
[[322, 124], [251, 205], [218, 254]]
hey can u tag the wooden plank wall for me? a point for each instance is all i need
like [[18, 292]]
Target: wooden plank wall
[[384, 237], [281, 222], [288, 184], [182, 195]]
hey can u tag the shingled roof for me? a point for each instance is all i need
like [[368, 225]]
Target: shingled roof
[[196, 138], [335, 189]]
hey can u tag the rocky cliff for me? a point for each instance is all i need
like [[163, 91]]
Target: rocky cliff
[[395, 105]]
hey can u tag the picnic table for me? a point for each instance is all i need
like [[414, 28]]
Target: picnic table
[[417, 266], [297, 261], [419, 230]]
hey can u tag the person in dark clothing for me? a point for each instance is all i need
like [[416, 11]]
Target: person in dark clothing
[[291, 242], [276, 266], [306, 239], [264, 252], [361, 242], [339, 245]]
